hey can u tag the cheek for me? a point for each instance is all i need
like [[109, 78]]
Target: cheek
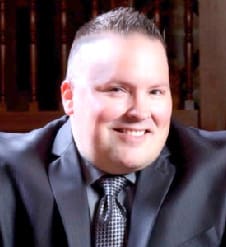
[[98, 107], [85, 103], [110, 110], [162, 113]]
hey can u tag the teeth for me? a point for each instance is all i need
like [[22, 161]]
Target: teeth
[[134, 132]]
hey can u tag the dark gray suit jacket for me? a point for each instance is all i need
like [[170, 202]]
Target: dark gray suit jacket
[[180, 200]]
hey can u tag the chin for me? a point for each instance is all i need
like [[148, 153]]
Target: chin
[[131, 166]]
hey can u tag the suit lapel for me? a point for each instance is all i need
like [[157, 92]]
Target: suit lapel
[[69, 190], [152, 187]]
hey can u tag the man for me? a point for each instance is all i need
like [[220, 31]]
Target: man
[[117, 97]]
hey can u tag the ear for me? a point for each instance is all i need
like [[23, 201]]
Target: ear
[[67, 97]]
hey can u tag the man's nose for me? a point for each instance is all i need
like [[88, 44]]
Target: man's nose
[[139, 108]]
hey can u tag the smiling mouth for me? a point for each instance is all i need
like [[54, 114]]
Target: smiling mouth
[[133, 132]]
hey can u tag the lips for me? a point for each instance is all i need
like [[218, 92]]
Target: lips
[[132, 132]]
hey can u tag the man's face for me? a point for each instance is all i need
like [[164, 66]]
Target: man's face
[[120, 102]]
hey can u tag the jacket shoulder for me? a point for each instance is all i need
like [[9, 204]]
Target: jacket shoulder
[[198, 137], [13, 144], [194, 149]]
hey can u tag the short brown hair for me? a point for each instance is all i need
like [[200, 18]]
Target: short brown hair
[[123, 20]]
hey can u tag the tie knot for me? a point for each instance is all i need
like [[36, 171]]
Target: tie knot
[[112, 185]]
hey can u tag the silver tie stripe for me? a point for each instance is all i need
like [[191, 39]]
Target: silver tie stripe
[[111, 220]]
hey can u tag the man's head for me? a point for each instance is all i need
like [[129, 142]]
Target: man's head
[[117, 93]]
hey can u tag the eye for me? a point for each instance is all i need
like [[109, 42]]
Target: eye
[[157, 92], [113, 89], [117, 89]]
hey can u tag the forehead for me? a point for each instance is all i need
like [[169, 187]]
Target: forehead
[[109, 53], [102, 46]]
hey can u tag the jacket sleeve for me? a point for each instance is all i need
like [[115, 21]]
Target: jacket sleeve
[[7, 208]]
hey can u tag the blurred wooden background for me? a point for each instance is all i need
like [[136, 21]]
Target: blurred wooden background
[[36, 35]]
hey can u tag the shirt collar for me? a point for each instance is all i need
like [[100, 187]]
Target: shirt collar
[[92, 173]]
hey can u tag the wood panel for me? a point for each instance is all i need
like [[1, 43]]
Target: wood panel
[[212, 64]]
